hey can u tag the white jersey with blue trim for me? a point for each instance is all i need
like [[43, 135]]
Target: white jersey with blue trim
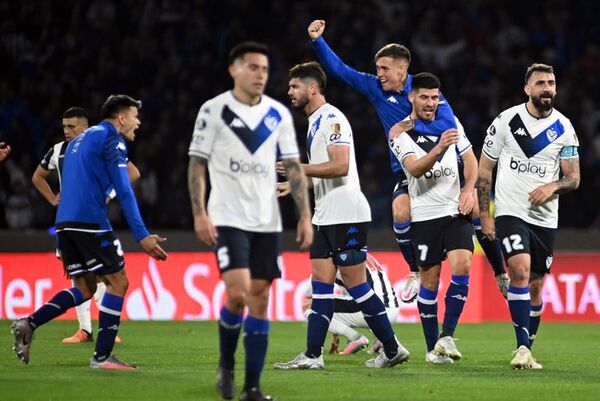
[[436, 193], [337, 200], [528, 151], [241, 143]]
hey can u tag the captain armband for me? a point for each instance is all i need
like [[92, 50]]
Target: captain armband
[[569, 152]]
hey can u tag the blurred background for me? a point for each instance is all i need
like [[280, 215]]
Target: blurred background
[[173, 56]]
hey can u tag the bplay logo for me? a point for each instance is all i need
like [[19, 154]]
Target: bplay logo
[[242, 167], [152, 301], [439, 173], [527, 168]]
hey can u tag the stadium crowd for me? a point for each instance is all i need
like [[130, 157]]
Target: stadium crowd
[[172, 56]]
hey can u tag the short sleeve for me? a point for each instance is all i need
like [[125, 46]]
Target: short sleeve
[[286, 142], [48, 162], [402, 147], [204, 133], [494, 140], [463, 142], [335, 130]]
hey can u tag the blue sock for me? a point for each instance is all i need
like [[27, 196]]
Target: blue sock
[[375, 316], [535, 316], [492, 249], [427, 304], [230, 325], [256, 338], [404, 240], [519, 305], [319, 318], [56, 306], [108, 325], [456, 296]]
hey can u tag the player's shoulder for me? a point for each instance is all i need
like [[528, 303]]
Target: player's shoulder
[[566, 122], [507, 114]]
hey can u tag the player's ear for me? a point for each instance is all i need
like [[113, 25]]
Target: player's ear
[[527, 90]]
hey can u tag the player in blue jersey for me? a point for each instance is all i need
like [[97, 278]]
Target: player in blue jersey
[[94, 162], [74, 122], [388, 93]]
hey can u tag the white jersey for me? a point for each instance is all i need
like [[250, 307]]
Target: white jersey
[[528, 151], [337, 200], [436, 193], [53, 159], [241, 143]]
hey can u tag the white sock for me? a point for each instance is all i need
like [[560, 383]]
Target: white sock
[[99, 294], [83, 316], [337, 327]]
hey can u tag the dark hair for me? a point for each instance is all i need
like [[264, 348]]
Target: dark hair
[[78, 112], [393, 50], [310, 70], [538, 67], [116, 104], [425, 80], [241, 49]]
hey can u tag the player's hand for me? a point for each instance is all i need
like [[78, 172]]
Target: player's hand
[[56, 200], [315, 29], [400, 128], [448, 138], [542, 194], [280, 168], [205, 230], [4, 151], [152, 248], [466, 202], [304, 233], [283, 189], [488, 227]]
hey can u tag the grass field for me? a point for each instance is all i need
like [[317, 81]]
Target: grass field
[[178, 359]]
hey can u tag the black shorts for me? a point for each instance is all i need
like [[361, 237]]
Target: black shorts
[[432, 239], [257, 251], [335, 238], [517, 236], [83, 252], [401, 187]]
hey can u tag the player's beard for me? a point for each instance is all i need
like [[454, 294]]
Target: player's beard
[[540, 106], [300, 103]]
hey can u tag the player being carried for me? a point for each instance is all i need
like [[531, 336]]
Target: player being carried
[[388, 93]]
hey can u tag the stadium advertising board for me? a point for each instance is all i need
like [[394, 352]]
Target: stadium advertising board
[[187, 287]]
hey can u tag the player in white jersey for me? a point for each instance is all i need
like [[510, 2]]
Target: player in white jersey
[[74, 122], [439, 209], [532, 143], [341, 220], [347, 314], [238, 135]]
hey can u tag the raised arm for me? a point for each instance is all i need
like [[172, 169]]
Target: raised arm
[[203, 226], [297, 180], [360, 81]]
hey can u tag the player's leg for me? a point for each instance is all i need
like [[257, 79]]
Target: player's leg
[[536, 283], [265, 253], [112, 272], [492, 251], [343, 323], [458, 242], [402, 230], [84, 333], [98, 296], [74, 265]]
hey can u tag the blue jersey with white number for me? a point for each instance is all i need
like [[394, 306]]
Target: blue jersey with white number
[[94, 162], [391, 106]]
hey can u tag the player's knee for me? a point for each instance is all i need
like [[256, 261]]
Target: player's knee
[[401, 214], [349, 257], [238, 299]]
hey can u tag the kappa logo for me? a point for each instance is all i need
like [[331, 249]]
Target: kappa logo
[[121, 146], [330, 115], [427, 315], [459, 297], [421, 139], [392, 99], [521, 132], [551, 134], [351, 242], [237, 123]]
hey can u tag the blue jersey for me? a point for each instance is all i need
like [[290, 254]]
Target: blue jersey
[[391, 106], [94, 162]]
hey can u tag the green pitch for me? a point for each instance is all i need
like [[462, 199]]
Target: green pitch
[[178, 360]]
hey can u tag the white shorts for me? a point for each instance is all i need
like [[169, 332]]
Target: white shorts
[[357, 319]]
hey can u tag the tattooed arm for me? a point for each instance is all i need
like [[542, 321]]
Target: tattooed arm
[[297, 183], [484, 190], [204, 228], [569, 182]]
